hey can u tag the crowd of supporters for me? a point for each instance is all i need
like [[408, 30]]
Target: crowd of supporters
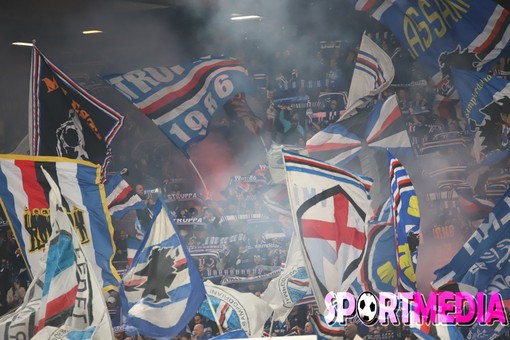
[[239, 240]]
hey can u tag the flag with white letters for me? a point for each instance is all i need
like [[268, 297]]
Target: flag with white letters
[[182, 99]]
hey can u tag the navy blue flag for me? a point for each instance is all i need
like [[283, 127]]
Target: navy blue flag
[[67, 121], [470, 34], [182, 99], [482, 263], [162, 290], [485, 101]]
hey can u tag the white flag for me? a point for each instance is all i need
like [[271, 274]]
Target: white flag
[[236, 310], [64, 300], [373, 73], [293, 284]]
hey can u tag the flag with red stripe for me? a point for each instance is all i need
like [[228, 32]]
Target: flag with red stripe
[[24, 192], [67, 121], [406, 217], [182, 99], [120, 197], [466, 34], [64, 300], [330, 208], [373, 73]]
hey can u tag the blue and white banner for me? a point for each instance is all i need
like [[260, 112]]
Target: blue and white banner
[[406, 216], [162, 290], [24, 192], [485, 100], [482, 263], [469, 34], [182, 99]]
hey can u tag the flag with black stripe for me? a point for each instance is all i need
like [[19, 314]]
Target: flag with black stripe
[[24, 191], [67, 121], [121, 198]]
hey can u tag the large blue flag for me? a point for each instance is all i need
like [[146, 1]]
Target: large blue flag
[[406, 217], [162, 290], [25, 197], [485, 100], [482, 265], [439, 34], [67, 121], [182, 99]]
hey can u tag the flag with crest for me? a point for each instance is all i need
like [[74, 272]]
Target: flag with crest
[[64, 301], [293, 284], [162, 289], [330, 208], [67, 121], [406, 217], [235, 310], [181, 99], [485, 100], [25, 197], [373, 73]]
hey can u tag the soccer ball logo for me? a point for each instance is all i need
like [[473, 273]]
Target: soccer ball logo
[[368, 308]]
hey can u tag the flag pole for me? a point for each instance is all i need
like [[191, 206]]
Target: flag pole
[[271, 326], [214, 313], [200, 177]]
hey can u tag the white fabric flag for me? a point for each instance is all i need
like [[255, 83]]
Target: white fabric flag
[[293, 284], [64, 300], [236, 310], [373, 73]]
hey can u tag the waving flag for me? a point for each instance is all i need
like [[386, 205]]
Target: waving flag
[[482, 263], [330, 208], [65, 120], [236, 310], [293, 284], [237, 334], [486, 103], [373, 73], [406, 214], [162, 290], [24, 192], [64, 301], [182, 99], [469, 34], [381, 128], [121, 197]]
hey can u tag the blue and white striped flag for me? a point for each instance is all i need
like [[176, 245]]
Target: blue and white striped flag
[[373, 73], [121, 197], [24, 192], [162, 290], [406, 216], [182, 99]]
